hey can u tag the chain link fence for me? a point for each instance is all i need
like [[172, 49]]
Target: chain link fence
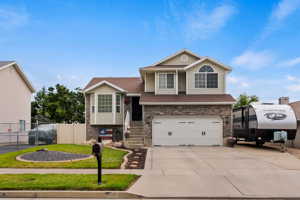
[[27, 134]]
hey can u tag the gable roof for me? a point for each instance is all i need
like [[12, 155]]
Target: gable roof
[[6, 64], [123, 84], [210, 59], [176, 54]]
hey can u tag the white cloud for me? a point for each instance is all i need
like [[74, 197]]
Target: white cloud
[[291, 62], [238, 81], [254, 60], [13, 18], [291, 78], [294, 88], [201, 24], [284, 9]]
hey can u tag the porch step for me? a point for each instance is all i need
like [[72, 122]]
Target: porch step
[[135, 146], [136, 123], [136, 135]]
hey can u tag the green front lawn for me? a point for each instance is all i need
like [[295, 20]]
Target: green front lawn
[[111, 158], [65, 181]]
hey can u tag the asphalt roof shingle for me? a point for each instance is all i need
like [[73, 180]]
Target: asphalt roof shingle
[[130, 84], [4, 63]]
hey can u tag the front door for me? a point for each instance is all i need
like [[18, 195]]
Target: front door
[[137, 109]]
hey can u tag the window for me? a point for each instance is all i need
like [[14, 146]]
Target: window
[[212, 80], [22, 125], [118, 103], [166, 80], [199, 80], [206, 78], [93, 109], [105, 103]]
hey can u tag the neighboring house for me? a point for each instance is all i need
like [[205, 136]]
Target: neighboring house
[[296, 107], [179, 100], [15, 103]]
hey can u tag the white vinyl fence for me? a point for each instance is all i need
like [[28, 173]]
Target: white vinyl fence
[[71, 134]]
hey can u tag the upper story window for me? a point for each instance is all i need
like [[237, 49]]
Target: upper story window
[[166, 80], [206, 78], [105, 103]]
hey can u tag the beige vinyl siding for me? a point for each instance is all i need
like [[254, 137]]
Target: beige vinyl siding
[[181, 81], [190, 75], [167, 91], [178, 61], [15, 102], [106, 118], [149, 82]]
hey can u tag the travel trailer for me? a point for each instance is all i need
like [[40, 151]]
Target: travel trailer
[[262, 123]]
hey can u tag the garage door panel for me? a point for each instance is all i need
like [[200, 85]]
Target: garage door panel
[[187, 131]]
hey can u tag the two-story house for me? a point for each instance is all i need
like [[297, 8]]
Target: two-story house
[[15, 99], [179, 100]]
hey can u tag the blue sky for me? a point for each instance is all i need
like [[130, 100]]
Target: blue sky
[[71, 41]]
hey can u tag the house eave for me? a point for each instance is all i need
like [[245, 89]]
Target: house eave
[[210, 59], [21, 73], [188, 103], [101, 83]]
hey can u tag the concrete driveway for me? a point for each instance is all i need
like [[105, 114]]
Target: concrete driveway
[[219, 172]]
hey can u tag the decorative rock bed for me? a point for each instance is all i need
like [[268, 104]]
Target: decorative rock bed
[[52, 156], [137, 159]]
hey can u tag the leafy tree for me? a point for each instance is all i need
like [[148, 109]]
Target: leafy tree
[[58, 104], [244, 100]]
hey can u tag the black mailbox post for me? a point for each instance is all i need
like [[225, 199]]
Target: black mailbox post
[[97, 152]]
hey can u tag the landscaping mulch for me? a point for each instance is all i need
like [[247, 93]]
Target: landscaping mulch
[[52, 156], [137, 159]]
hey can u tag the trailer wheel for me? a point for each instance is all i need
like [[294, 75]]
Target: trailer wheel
[[259, 143]]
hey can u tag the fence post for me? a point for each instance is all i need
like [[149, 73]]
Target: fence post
[[36, 133], [73, 133]]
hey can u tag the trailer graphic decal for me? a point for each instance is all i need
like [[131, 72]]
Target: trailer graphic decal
[[275, 116]]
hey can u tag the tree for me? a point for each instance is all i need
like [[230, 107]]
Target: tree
[[244, 100], [58, 104]]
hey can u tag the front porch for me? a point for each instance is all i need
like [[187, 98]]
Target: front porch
[[133, 123]]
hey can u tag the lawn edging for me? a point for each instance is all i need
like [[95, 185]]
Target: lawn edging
[[111, 159], [68, 194]]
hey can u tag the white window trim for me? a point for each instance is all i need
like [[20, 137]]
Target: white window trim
[[174, 83], [112, 102], [205, 79]]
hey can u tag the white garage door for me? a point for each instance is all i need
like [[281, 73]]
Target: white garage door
[[187, 131]]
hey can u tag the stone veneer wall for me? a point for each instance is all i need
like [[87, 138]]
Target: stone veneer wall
[[224, 111]]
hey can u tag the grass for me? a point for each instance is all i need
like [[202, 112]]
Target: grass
[[111, 158], [65, 181]]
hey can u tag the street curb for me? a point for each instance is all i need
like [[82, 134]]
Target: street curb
[[68, 194], [225, 197], [111, 195]]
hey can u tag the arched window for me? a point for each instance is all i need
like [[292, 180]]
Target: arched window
[[206, 68], [206, 78]]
